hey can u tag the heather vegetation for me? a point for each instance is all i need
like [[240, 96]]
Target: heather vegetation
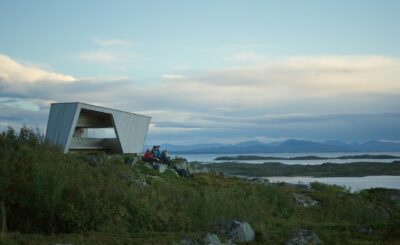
[[48, 197]]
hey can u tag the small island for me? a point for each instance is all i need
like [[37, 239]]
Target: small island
[[353, 169]]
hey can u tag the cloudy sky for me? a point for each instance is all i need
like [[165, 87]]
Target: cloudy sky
[[220, 71]]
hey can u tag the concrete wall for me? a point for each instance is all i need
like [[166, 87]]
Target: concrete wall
[[61, 123]]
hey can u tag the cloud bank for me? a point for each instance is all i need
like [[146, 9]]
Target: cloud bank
[[14, 72], [311, 97]]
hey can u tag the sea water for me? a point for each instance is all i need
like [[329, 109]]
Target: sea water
[[209, 158], [354, 183]]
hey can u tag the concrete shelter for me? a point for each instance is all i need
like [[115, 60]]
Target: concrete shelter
[[69, 125]]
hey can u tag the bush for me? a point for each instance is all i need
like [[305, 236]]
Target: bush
[[45, 190]]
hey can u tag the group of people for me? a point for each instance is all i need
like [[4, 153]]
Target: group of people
[[155, 155], [156, 158]]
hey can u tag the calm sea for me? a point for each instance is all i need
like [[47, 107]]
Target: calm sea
[[354, 183]]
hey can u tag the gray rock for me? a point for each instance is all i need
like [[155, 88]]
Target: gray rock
[[162, 167], [211, 239], [183, 164], [157, 166], [188, 241], [304, 201], [238, 231], [303, 237], [135, 179], [141, 182]]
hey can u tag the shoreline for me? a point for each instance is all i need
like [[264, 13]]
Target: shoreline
[[275, 169]]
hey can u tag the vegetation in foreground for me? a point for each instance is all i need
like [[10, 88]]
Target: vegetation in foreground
[[47, 197], [353, 169]]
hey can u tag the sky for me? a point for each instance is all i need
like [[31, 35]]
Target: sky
[[211, 71]]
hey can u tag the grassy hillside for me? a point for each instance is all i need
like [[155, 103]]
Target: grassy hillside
[[49, 197]]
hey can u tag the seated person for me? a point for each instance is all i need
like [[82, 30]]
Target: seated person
[[164, 157], [148, 156], [156, 152]]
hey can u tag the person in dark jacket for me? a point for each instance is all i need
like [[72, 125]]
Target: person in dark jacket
[[164, 157], [156, 152]]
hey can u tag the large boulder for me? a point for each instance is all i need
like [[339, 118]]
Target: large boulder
[[238, 231], [182, 167], [304, 201], [182, 163], [303, 237]]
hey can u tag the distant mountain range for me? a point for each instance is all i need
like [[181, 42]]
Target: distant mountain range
[[288, 146]]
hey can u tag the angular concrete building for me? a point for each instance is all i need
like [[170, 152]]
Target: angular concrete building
[[70, 126]]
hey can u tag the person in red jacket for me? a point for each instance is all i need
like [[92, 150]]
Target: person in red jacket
[[148, 156]]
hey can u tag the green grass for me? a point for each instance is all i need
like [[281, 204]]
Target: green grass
[[53, 198]]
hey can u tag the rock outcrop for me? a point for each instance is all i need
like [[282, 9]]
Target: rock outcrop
[[304, 201], [237, 231], [303, 237]]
